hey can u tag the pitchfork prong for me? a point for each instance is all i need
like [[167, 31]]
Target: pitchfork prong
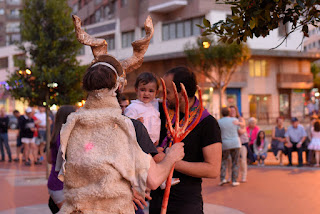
[[186, 111], [165, 109], [199, 116], [176, 95]]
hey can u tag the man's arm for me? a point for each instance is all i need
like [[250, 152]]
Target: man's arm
[[209, 168]]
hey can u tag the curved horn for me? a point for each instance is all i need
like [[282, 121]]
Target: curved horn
[[98, 46], [139, 48]]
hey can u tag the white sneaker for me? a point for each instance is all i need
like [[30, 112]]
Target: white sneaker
[[234, 184], [224, 181]]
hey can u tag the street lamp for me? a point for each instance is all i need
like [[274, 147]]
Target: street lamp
[[205, 44]]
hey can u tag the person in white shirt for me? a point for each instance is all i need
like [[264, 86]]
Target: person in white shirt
[[41, 126], [146, 107]]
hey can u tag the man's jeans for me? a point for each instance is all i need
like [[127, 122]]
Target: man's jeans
[[4, 142], [294, 148]]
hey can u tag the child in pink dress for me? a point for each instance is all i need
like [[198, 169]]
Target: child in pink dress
[[315, 141]]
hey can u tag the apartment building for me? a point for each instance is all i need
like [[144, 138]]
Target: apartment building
[[270, 84]]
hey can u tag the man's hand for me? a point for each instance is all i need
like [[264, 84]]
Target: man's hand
[[299, 145], [289, 145], [235, 122], [176, 152]]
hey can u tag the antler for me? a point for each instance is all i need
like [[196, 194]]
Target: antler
[[139, 48], [98, 46]]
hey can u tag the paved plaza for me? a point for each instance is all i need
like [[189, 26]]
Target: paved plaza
[[271, 189]]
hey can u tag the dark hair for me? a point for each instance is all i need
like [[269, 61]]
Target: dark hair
[[258, 137], [99, 77], [60, 118], [145, 78], [316, 126], [225, 111], [15, 112], [185, 76], [237, 111]]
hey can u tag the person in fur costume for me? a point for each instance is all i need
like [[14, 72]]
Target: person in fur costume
[[100, 160]]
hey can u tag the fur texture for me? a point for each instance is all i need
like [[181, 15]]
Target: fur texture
[[102, 159]]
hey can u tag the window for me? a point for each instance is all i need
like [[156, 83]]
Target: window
[[181, 29], [14, 13], [258, 68], [110, 40], [143, 33], [4, 62], [1, 11], [98, 2], [75, 8], [97, 16], [13, 27], [13, 38], [14, 2], [127, 39], [259, 106], [124, 3]]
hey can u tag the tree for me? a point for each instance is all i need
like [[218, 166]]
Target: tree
[[48, 40], [216, 61], [315, 70], [259, 17]]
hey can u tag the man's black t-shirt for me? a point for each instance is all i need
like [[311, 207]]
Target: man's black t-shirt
[[186, 197], [4, 124], [143, 138]]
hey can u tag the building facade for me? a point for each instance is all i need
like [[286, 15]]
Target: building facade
[[269, 84]]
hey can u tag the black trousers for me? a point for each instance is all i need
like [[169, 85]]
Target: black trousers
[[295, 148]]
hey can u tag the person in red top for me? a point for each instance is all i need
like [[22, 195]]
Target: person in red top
[[252, 130]]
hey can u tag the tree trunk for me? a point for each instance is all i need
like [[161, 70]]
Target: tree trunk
[[48, 133], [220, 100]]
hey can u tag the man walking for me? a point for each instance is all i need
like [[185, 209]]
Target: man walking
[[230, 146], [202, 149], [295, 136]]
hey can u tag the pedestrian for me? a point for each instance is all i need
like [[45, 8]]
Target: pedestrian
[[55, 186], [278, 140], [202, 148], [102, 160], [124, 102], [4, 141], [28, 128], [146, 107], [41, 128], [252, 130], [260, 148], [19, 145], [244, 144], [231, 145], [315, 142], [310, 155], [295, 136]]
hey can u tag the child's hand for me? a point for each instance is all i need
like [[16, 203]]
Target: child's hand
[[156, 143], [141, 119]]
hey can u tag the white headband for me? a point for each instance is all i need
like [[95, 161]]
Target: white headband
[[108, 65]]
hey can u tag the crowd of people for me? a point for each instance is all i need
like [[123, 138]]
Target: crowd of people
[[31, 138], [224, 147]]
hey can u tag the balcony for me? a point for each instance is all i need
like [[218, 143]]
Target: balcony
[[295, 81], [165, 6]]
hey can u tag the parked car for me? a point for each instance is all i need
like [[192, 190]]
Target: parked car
[[13, 122]]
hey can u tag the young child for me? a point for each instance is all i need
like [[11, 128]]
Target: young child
[[260, 148], [146, 107], [315, 142]]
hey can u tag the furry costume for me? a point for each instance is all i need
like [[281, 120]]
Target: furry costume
[[101, 158]]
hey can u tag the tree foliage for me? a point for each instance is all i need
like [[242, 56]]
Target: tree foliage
[[49, 42], [218, 62], [258, 17]]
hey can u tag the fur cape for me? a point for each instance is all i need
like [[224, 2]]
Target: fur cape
[[101, 159]]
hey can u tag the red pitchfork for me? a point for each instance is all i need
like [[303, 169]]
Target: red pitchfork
[[178, 133]]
